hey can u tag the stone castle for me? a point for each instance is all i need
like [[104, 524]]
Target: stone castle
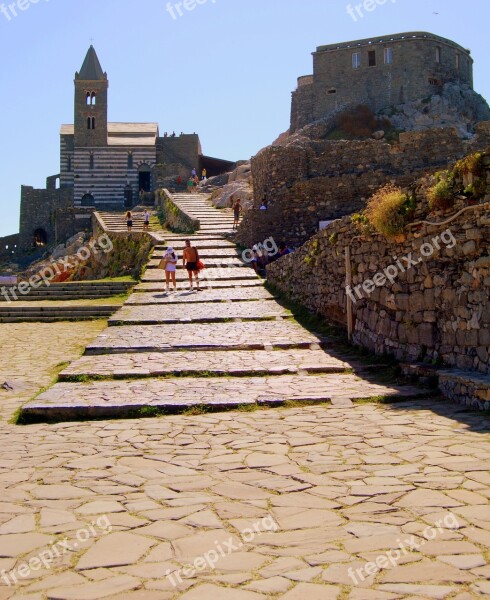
[[309, 177], [103, 166], [378, 72]]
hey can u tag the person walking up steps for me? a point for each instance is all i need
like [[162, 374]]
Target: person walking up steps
[[190, 259], [129, 220], [170, 266], [146, 221], [237, 210]]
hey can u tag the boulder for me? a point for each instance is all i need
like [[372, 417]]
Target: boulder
[[238, 189]]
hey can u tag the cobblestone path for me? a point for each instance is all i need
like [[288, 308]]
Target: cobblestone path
[[344, 501]]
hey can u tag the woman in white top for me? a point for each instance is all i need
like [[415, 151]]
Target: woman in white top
[[170, 262]]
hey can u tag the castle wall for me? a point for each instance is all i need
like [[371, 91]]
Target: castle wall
[[52, 211], [421, 64], [184, 150], [312, 181], [9, 246], [437, 310]]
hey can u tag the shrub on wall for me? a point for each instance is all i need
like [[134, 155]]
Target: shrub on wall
[[441, 195], [389, 210]]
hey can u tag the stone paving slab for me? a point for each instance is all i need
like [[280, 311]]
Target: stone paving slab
[[205, 312], [204, 242], [204, 253], [160, 286], [225, 273], [331, 484], [246, 336], [208, 295], [121, 398], [230, 363], [224, 262]]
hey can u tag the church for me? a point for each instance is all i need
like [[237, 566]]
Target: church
[[105, 166]]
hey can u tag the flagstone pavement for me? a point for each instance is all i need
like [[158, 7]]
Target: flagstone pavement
[[337, 501]]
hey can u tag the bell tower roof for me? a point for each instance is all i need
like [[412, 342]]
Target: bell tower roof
[[91, 69]]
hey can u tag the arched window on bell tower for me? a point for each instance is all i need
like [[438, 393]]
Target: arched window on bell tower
[[87, 99], [90, 122], [93, 99]]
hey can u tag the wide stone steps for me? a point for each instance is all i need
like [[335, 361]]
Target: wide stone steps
[[209, 275], [207, 253], [188, 297], [192, 363], [159, 285], [18, 314], [130, 398], [230, 345], [206, 312], [77, 290], [249, 335], [116, 221], [201, 243], [224, 262]]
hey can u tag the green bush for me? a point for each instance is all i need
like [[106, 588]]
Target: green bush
[[441, 195]]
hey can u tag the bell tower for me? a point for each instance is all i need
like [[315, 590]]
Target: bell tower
[[91, 85]]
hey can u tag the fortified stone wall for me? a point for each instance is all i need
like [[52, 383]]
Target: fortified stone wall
[[51, 211], [9, 246], [379, 72], [436, 310], [308, 181], [183, 150]]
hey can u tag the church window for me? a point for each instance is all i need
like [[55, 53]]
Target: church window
[[130, 160], [356, 60], [68, 166], [88, 99], [93, 99], [388, 56], [91, 162], [438, 54], [91, 123]]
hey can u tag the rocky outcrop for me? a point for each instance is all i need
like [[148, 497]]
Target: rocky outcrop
[[457, 106], [239, 185]]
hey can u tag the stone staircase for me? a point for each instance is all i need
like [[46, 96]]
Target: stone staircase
[[76, 290], [467, 388], [231, 345], [13, 313], [116, 221]]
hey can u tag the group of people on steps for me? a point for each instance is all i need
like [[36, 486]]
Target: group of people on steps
[[190, 261]]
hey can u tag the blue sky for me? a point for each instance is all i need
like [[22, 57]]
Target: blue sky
[[225, 70]]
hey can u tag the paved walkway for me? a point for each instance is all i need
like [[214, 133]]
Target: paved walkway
[[339, 501], [262, 356]]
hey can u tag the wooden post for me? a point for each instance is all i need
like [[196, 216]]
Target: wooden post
[[348, 283]]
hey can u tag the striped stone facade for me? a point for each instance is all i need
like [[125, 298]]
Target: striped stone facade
[[103, 166], [101, 176]]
